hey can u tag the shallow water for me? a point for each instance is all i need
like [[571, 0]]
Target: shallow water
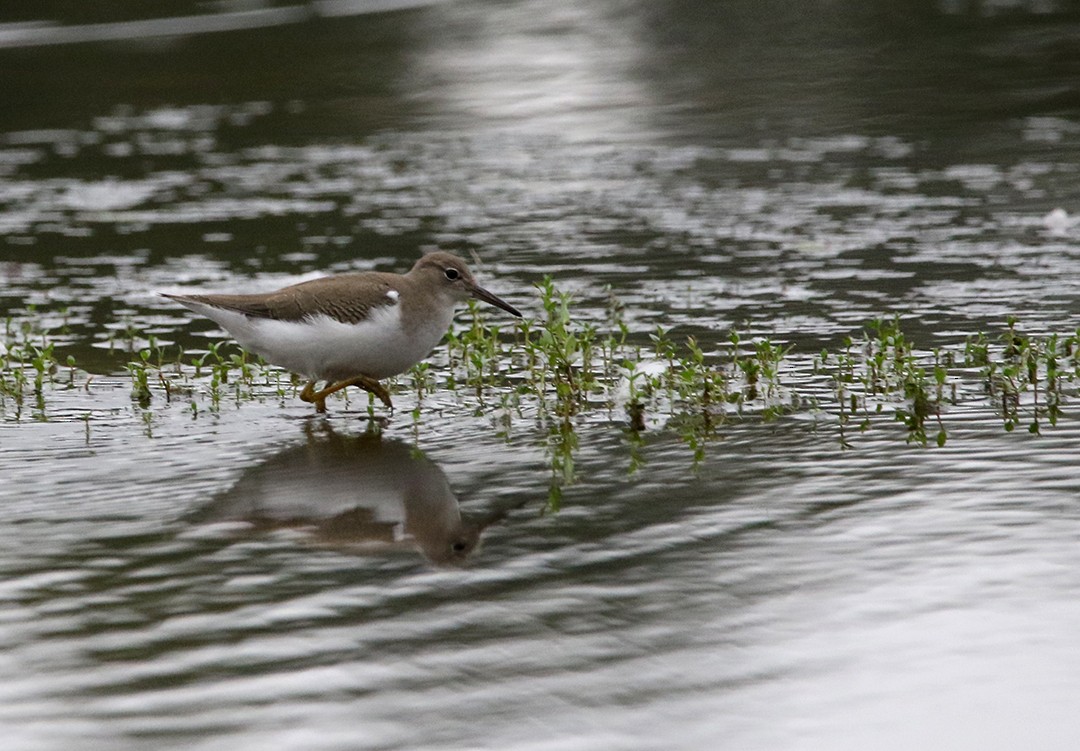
[[216, 579]]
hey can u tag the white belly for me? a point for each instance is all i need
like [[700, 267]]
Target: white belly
[[323, 348]]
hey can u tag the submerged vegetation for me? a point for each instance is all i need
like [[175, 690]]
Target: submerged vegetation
[[559, 371]]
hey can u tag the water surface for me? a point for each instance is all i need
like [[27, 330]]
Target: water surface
[[253, 576]]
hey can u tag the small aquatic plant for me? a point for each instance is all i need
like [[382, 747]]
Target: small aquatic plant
[[140, 379], [28, 366], [883, 366], [1039, 369]]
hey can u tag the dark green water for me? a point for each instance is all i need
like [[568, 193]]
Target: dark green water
[[178, 581]]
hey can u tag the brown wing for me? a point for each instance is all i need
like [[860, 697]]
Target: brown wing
[[348, 298]]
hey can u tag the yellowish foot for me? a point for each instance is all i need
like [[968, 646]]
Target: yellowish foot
[[368, 384], [308, 394]]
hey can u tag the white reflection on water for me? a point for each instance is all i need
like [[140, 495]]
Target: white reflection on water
[[543, 68]]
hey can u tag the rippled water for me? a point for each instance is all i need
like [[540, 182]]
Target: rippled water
[[255, 577]]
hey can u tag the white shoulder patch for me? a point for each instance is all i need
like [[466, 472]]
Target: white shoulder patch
[[392, 294]]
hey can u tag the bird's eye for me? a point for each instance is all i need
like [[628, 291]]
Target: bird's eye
[[452, 274]]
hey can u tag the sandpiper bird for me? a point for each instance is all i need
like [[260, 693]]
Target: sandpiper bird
[[349, 329]]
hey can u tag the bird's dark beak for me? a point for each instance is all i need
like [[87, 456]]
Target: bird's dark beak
[[482, 294]]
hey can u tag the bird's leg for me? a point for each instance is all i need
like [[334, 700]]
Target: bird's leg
[[365, 382]]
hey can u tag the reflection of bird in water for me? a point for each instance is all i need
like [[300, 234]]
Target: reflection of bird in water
[[363, 493]]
